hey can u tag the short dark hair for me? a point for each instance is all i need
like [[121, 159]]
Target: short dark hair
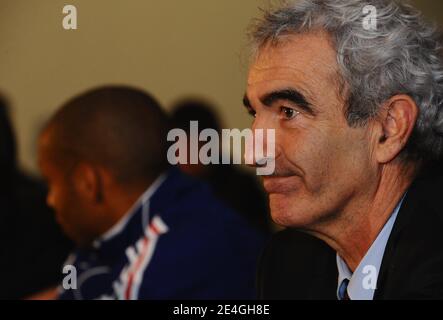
[[121, 128]]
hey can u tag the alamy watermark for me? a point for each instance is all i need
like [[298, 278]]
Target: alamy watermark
[[370, 280], [259, 147], [70, 280], [370, 18], [69, 21]]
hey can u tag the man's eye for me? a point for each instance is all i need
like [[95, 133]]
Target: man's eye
[[289, 113]]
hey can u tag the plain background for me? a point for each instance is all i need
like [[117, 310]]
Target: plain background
[[173, 49]]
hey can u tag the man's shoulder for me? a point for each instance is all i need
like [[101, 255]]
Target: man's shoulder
[[181, 191], [183, 200], [198, 219], [214, 246], [412, 265], [296, 265], [421, 214]]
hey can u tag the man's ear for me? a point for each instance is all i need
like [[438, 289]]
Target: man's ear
[[88, 182], [395, 125]]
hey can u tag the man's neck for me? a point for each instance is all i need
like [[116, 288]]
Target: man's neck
[[354, 230]]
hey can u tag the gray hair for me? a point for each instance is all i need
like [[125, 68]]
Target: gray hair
[[402, 56]]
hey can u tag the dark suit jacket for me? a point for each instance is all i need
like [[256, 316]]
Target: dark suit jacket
[[298, 266]]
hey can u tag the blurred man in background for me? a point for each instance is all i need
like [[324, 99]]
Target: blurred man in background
[[32, 246], [143, 229], [237, 189]]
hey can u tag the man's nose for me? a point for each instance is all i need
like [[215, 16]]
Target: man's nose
[[262, 145]]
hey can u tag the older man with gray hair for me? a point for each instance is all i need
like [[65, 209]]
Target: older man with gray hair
[[354, 92]]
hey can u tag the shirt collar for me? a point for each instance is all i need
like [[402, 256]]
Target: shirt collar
[[360, 287], [121, 224]]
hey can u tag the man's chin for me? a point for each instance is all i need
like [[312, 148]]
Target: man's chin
[[287, 212]]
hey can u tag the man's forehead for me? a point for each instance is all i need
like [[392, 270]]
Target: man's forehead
[[308, 53], [276, 73], [46, 140], [48, 143]]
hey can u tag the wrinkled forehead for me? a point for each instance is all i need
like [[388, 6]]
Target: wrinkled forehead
[[306, 62], [305, 55]]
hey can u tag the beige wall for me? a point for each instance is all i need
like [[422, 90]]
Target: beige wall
[[172, 48]]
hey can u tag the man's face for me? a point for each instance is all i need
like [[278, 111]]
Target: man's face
[[321, 162], [75, 220]]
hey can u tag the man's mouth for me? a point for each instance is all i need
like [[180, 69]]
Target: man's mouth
[[280, 184]]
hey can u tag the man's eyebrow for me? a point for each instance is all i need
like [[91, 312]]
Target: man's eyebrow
[[291, 95]]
